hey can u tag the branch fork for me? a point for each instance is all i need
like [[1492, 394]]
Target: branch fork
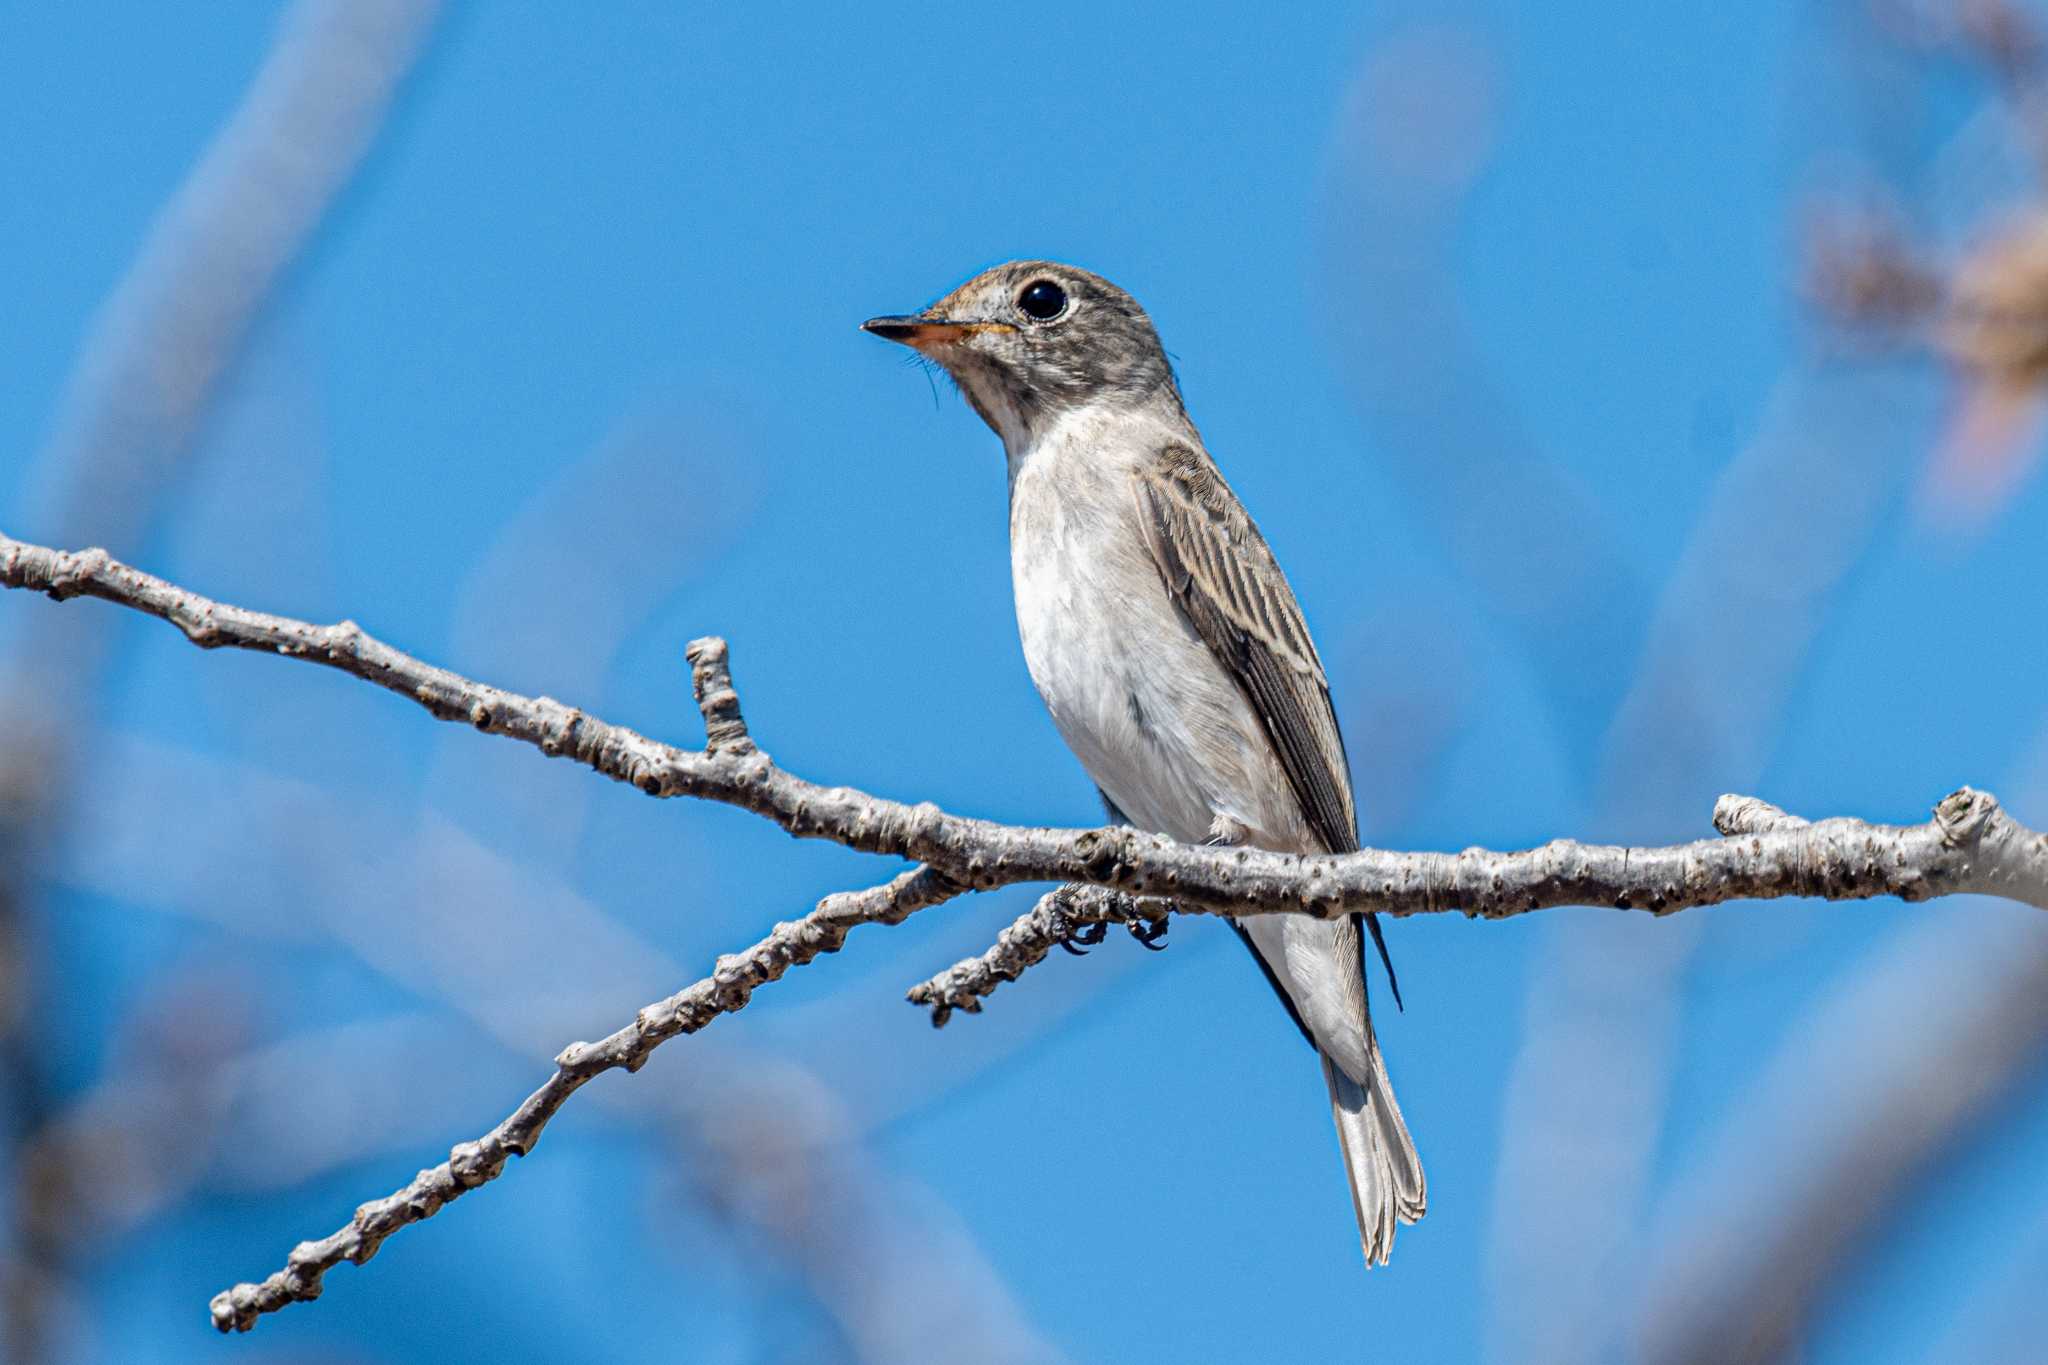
[[1114, 875]]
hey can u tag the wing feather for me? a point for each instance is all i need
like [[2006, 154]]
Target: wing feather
[[1226, 582]]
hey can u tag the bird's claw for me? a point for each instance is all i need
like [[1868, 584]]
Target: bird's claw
[[1078, 940], [1151, 933]]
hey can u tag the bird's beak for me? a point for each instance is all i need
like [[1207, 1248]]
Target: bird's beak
[[922, 332]]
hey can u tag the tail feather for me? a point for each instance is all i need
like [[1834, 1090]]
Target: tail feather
[[1379, 1156]]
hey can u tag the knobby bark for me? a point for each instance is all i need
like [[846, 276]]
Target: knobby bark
[[1113, 875]]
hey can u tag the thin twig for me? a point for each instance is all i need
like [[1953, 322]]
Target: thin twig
[[1051, 922], [471, 1164], [1971, 845]]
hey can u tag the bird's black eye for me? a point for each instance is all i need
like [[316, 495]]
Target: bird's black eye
[[1042, 300]]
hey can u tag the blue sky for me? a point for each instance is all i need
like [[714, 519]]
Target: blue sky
[[571, 375]]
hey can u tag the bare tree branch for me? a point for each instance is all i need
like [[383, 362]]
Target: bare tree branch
[[1730, 635], [1971, 845], [148, 373], [1883, 1082], [965, 984], [882, 1255], [471, 1164]]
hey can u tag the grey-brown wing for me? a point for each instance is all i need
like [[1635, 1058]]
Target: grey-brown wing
[[1226, 582], [1223, 577]]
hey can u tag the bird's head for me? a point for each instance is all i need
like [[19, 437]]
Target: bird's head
[[1030, 340]]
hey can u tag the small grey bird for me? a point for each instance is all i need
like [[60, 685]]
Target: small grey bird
[[1169, 649]]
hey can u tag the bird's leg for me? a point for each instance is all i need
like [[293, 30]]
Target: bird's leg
[[1078, 940], [1224, 832]]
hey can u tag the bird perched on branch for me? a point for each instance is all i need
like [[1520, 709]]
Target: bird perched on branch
[[1170, 650]]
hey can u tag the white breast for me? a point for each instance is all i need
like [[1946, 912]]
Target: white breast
[[1150, 712], [1136, 694]]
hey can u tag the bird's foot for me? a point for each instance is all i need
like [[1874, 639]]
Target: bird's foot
[[1150, 932], [1083, 937]]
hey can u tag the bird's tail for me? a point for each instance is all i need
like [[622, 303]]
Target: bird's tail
[[1379, 1156]]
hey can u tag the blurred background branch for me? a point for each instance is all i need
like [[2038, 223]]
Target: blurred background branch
[[484, 324], [1970, 845], [92, 1166], [139, 390]]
